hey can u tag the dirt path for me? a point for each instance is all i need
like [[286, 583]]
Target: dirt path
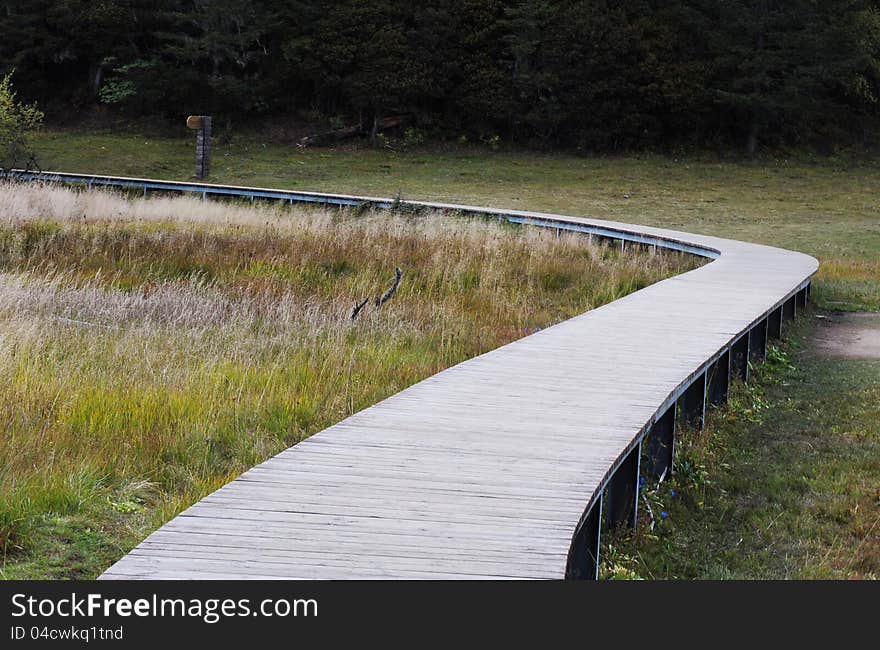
[[851, 335]]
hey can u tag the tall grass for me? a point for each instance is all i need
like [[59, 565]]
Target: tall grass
[[151, 350]]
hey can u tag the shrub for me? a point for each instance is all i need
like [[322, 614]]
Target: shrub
[[16, 121]]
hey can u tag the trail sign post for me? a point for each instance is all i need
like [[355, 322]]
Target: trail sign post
[[201, 124]]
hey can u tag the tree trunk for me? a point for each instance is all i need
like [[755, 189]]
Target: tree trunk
[[752, 139], [375, 128], [96, 80]]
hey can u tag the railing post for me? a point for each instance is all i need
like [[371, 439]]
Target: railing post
[[660, 446], [693, 403], [583, 560], [623, 490]]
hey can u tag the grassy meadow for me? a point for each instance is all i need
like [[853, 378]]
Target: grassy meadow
[[825, 207], [781, 483], [153, 349]]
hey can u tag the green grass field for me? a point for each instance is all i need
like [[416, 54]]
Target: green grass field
[[783, 481], [153, 349], [827, 208]]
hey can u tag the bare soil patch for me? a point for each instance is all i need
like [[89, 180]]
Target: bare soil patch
[[850, 335]]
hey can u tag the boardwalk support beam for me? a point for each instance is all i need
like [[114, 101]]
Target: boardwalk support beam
[[739, 357], [774, 324], [802, 299], [693, 403], [623, 491], [789, 310], [758, 342], [719, 380], [660, 446], [583, 558]]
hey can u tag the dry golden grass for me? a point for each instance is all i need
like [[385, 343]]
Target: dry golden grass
[[824, 207], [151, 350]]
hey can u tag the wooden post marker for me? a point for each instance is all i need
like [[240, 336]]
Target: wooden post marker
[[202, 125]]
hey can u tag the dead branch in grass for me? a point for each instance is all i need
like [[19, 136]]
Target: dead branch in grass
[[387, 295], [358, 307]]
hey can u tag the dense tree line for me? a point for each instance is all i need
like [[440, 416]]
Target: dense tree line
[[587, 74]]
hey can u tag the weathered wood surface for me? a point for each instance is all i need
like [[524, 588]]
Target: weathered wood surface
[[485, 469]]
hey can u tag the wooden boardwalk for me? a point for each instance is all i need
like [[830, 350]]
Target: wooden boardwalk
[[493, 468]]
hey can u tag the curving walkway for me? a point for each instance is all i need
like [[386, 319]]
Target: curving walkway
[[502, 466]]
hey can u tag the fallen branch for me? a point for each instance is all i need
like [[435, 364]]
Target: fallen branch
[[357, 130], [357, 309], [328, 137], [387, 296], [379, 300]]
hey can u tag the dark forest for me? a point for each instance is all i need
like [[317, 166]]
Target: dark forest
[[581, 75]]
